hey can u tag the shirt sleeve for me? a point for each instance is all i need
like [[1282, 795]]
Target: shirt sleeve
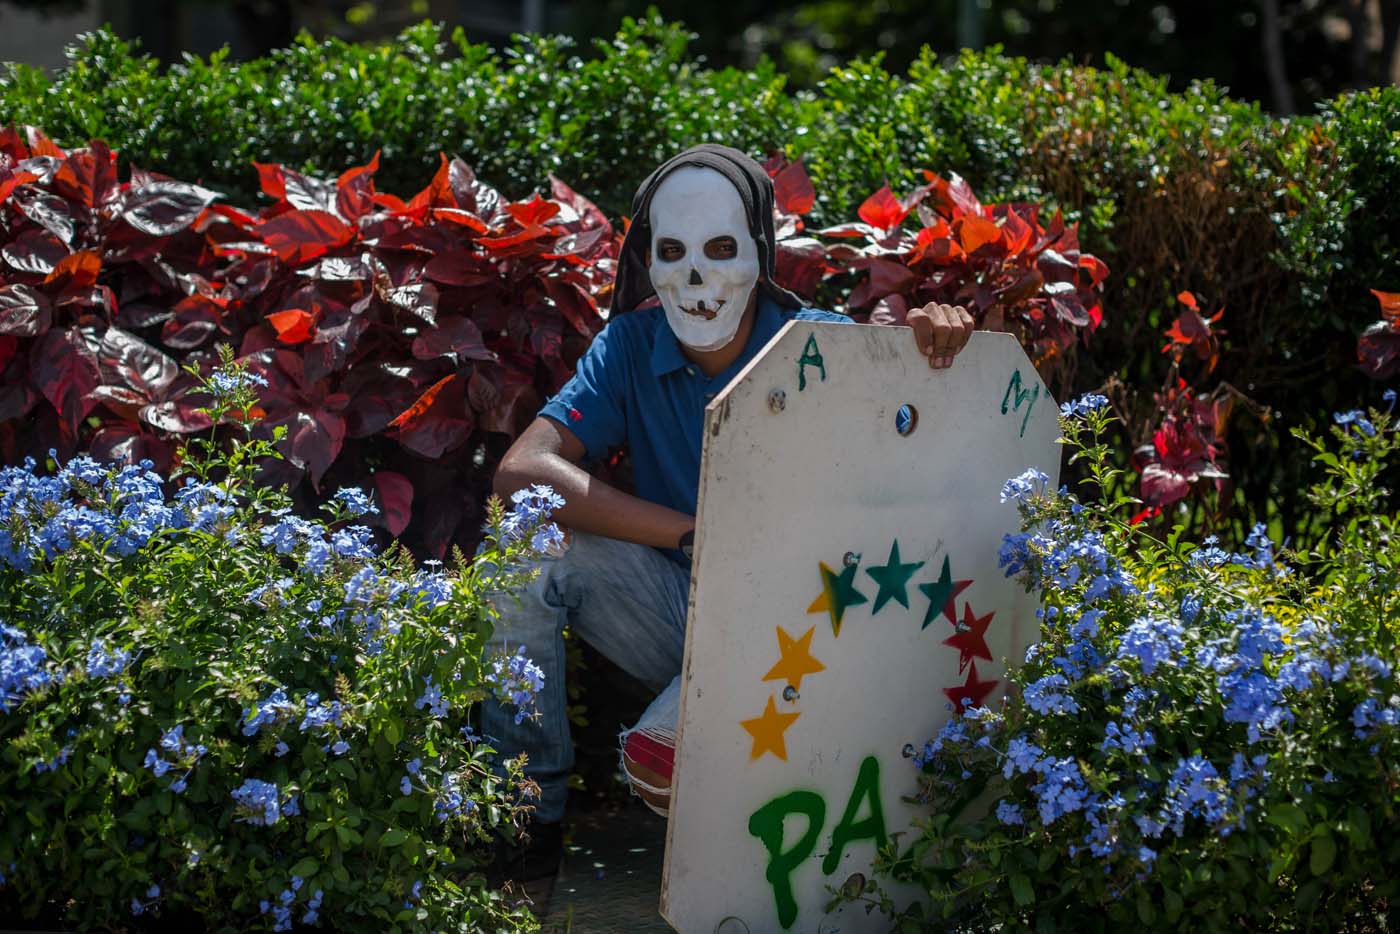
[[592, 403]]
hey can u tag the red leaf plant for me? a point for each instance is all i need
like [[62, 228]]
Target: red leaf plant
[[1378, 350], [404, 342], [1187, 445], [998, 261]]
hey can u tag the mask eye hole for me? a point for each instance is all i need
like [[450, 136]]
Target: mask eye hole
[[669, 250], [722, 248]]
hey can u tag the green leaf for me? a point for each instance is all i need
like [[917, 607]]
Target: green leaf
[[1174, 906], [1021, 890], [306, 867], [1324, 851], [392, 837], [1145, 912], [1288, 816]]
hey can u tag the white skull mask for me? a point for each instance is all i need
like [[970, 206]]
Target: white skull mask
[[704, 262]]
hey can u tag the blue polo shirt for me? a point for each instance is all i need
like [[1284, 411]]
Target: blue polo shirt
[[635, 387]]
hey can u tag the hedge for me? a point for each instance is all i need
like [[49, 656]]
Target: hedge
[[1284, 223]]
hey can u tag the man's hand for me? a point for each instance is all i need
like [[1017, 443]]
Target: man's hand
[[940, 331]]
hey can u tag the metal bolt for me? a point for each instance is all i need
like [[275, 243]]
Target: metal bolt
[[908, 751], [853, 886], [790, 694], [777, 400], [851, 559]]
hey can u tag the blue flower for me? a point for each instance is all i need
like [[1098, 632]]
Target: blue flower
[[1355, 417], [340, 747], [320, 716], [432, 699], [228, 382], [155, 763], [1030, 483], [271, 711], [356, 501], [414, 767], [1085, 404], [258, 801], [1061, 789], [1152, 642], [1047, 695], [102, 663], [353, 542], [1021, 756], [22, 667], [1009, 813]]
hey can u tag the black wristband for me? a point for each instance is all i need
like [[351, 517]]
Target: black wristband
[[687, 544]]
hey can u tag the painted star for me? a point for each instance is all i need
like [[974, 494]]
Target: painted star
[[971, 638], [767, 731], [973, 691], [939, 592], [950, 609], [796, 660], [838, 593], [893, 578]]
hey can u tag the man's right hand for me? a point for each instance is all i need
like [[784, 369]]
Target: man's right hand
[[548, 452]]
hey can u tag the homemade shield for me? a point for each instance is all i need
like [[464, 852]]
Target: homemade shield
[[846, 597]]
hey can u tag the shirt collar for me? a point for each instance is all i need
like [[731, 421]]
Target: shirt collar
[[667, 356]]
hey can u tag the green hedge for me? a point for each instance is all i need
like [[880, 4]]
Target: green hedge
[[1284, 222]]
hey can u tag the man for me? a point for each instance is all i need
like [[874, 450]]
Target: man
[[702, 242]]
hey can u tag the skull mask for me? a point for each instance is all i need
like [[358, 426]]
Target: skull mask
[[704, 262]]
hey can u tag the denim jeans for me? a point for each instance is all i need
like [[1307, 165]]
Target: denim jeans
[[629, 602]]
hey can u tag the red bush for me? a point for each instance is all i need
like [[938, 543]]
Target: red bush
[[401, 340]]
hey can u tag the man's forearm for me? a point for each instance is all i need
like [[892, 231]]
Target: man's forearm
[[592, 506]]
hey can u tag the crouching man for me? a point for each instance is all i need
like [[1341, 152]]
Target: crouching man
[[694, 302]]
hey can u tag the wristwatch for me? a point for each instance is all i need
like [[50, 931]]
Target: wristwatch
[[687, 545]]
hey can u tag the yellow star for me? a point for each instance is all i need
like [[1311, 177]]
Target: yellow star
[[796, 659], [767, 731]]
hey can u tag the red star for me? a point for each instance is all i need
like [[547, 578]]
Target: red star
[[973, 690], [950, 609], [971, 637]]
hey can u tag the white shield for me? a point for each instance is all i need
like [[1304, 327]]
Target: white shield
[[846, 592]]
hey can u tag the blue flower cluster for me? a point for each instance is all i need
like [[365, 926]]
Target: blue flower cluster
[[103, 662], [182, 753], [514, 679], [271, 711], [530, 515], [23, 667], [432, 699], [1077, 408], [356, 501], [281, 909], [226, 382], [258, 802], [1031, 483]]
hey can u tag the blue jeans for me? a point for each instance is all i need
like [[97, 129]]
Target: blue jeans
[[627, 601]]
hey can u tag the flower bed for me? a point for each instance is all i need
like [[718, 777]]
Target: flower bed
[[1202, 739], [215, 712]]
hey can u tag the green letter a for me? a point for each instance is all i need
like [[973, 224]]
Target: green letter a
[[848, 829]]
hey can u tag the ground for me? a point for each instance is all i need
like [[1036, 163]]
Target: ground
[[611, 876]]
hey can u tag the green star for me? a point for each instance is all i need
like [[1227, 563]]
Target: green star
[[893, 578], [938, 593], [838, 592]]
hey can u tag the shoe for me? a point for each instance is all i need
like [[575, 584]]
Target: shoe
[[532, 867]]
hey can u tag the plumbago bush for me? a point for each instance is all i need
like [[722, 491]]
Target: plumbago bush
[[1202, 739], [215, 712]]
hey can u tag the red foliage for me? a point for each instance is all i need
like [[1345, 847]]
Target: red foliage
[[1188, 444], [1378, 350], [998, 261], [406, 335]]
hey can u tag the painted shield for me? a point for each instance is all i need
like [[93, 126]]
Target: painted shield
[[846, 598]]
